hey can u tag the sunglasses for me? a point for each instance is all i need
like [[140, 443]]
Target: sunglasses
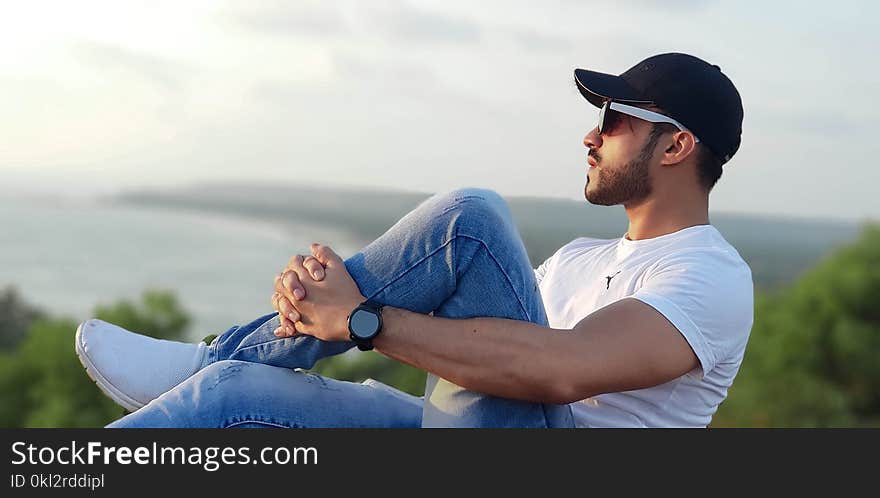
[[610, 117]]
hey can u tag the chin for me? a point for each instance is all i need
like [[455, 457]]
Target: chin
[[590, 188], [590, 195], [594, 197]]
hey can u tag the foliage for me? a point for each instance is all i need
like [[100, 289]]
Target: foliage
[[16, 316], [42, 383], [157, 315], [373, 365], [812, 358]]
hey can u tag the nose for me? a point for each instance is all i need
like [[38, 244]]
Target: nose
[[593, 139]]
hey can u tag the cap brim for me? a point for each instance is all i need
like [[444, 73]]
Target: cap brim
[[599, 87]]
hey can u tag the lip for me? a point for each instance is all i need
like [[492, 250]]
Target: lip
[[591, 161]]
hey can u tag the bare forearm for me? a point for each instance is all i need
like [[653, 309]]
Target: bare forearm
[[623, 346], [506, 358]]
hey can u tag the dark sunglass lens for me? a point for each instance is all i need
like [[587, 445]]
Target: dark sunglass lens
[[611, 120]]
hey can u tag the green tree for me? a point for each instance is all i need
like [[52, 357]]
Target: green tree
[[812, 358], [43, 384], [17, 316], [158, 314], [356, 367]]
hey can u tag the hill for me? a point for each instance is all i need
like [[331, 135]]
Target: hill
[[777, 249]]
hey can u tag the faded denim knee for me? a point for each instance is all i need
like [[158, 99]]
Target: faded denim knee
[[477, 208]]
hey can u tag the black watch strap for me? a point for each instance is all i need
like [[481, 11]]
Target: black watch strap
[[366, 344]]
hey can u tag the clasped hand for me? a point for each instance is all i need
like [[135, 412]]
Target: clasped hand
[[314, 296]]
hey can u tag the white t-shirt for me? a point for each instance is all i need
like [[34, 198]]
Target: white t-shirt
[[695, 279]]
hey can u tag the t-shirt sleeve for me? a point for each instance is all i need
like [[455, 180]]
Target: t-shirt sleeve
[[541, 270], [709, 297]]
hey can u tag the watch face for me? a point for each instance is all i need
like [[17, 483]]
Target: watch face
[[364, 324]]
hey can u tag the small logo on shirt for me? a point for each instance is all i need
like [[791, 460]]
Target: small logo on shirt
[[608, 280]]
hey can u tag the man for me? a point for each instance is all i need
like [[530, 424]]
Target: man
[[647, 330]]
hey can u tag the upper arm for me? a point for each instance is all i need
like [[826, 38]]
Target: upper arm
[[624, 346], [693, 311]]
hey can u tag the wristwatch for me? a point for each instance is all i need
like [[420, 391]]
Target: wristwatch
[[365, 323]]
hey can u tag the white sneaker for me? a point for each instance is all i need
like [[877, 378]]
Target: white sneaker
[[134, 369]]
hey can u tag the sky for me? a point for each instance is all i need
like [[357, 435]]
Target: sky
[[423, 95]]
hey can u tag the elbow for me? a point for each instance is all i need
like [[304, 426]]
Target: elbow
[[564, 391], [562, 396], [556, 385]]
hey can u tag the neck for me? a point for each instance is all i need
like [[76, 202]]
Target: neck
[[659, 215]]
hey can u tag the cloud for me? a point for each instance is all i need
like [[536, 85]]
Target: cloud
[[815, 123], [406, 22], [535, 41], [428, 94], [162, 72], [396, 20], [296, 19], [673, 5]]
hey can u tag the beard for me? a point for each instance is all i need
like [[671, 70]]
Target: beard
[[626, 185]]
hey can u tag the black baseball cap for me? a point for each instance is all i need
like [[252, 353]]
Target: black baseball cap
[[690, 90]]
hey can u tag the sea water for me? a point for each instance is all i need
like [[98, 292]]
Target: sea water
[[65, 256]]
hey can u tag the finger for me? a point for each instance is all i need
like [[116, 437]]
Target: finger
[[315, 268], [288, 331], [282, 325], [326, 256], [285, 328], [284, 294], [282, 290], [276, 282], [288, 311], [295, 261], [276, 303], [284, 331], [291, 285]]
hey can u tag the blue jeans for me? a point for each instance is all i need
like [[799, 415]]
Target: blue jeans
[[457, 255]]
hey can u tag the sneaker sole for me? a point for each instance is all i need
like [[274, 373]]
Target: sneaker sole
[[106, 387]]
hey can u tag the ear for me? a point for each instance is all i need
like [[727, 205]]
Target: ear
[[679, 147]]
